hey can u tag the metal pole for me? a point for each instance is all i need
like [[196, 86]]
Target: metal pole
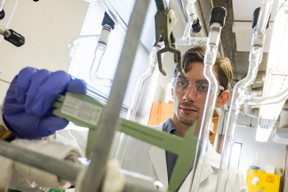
[[108, 123], [69, 171], [64, 169], [138, 183]]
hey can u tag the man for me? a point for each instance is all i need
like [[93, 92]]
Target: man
[[189, 94]]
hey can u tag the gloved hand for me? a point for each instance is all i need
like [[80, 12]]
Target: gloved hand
[[28, 105]]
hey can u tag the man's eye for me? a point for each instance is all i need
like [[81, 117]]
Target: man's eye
[[182, 83], [203, 88]]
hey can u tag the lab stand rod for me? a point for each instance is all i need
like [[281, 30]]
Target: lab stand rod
[[64, 169], [109, 120]]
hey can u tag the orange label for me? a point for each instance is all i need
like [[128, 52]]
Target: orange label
[[270, 179]]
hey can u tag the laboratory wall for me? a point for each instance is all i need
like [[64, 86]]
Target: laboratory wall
[[48, 27], [267, 156]]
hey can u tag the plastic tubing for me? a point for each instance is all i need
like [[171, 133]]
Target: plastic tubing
[[131, 114], [238, 96], [217, 20]]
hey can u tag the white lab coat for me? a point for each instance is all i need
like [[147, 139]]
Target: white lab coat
[[151, 161]]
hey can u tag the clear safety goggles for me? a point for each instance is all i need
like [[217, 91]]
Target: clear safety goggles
[[181, 84]]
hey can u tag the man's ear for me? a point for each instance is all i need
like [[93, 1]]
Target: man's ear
[[222, 98]]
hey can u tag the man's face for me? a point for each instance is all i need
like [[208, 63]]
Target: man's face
[[189, 100]]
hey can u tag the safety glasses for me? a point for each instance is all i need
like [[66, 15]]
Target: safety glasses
[[181, 84]]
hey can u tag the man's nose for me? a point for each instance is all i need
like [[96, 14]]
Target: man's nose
[[190, 93]]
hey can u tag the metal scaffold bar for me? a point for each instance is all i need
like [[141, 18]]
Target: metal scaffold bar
[[67, 170], [109, 120], [64, 169]]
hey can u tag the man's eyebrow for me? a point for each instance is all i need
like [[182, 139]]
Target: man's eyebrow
[[202, 81], [198, 80], [181, 76]]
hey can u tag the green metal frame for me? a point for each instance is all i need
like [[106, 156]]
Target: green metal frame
[[184, 147]]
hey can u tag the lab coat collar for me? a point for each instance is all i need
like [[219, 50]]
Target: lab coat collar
[[212, 158], [211, 165], [158, 159]]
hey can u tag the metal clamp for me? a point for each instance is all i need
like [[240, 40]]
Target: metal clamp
[[164, 23]]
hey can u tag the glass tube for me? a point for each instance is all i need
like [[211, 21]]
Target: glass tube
[[209, 61], [238, 96], [121, 148], [95, 75]]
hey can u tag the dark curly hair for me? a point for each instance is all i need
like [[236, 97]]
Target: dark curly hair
[[222, 65]]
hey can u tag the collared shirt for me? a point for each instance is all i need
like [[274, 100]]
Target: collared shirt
[[170, 157]]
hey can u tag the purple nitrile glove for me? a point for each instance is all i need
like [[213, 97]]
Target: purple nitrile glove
[[28, 105]]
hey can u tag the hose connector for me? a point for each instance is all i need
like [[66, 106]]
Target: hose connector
[[255, 18], [108, 21], [15, 38], [218, 14], [196, 26]]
